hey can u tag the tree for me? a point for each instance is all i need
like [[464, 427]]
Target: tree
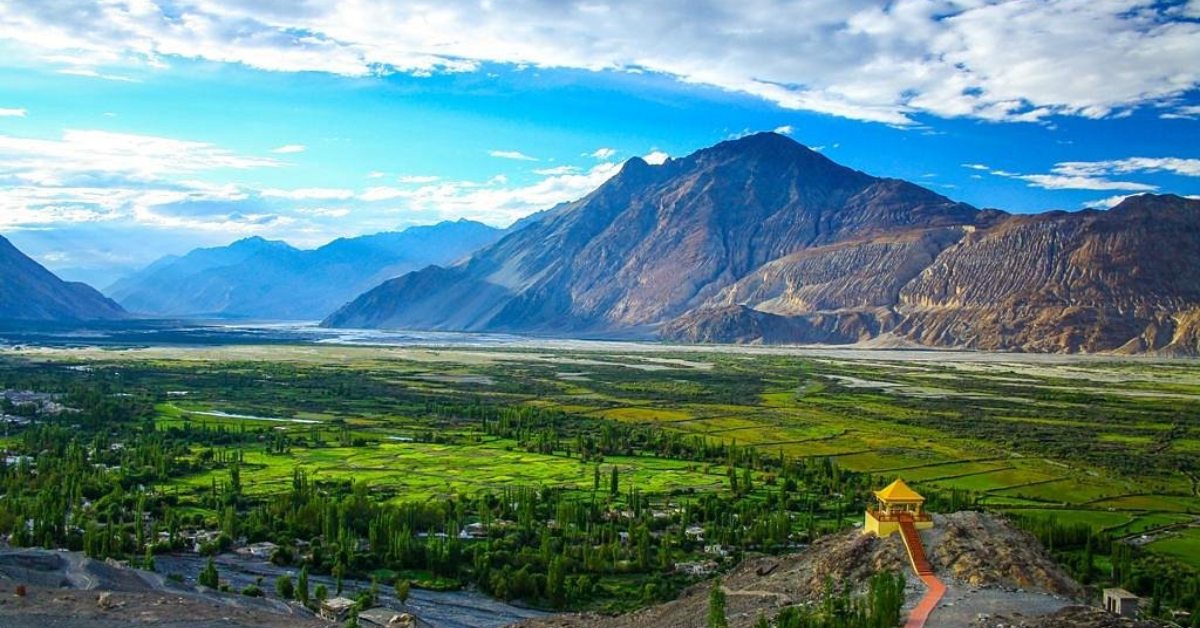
[[284, 587], [209, 576], [716, 606], [614, 483], [556, 581], [402, 590], [339, 571], [320, 593], [373, 592], [302, 586]]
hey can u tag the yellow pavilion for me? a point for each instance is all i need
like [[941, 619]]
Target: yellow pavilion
[[897, 504]]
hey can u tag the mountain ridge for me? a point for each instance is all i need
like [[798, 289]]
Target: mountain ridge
[[30, 292], [762, 240], [258, 278]]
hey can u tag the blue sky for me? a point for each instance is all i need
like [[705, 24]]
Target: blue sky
[[130, 130]]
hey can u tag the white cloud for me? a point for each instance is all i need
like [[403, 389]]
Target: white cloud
[[1095, 175], [785, 129], [91, 155], [1173, 165], [511, 154], [324, 212], [1108, 203], [289, 149], [862, 59], [91, 73], [557, 170], [417, 179], [497, 203], [376, 174], [310, 194], [1113, 201], [98, 176], [382, 193], [602, 153], [12, 113], [656, 158], [1068, 182]]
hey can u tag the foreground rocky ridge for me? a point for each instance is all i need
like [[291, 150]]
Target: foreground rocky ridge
[[1069, 617], [760, 240], [980, 557], [69, 590]]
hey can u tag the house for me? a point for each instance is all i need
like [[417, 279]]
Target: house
[[1121, 602], [474, 531], [717, 550], [336, 609], [383, 617], [258, 550], [201, 538], [700, 569]]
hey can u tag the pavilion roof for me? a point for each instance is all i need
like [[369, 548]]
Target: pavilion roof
[[898, 491]]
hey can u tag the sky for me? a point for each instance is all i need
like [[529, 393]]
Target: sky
[[133, 129]]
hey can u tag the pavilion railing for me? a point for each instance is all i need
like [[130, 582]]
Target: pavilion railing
[[883, 515]]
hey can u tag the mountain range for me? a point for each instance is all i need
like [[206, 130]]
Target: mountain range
[[762, 240], [29, 292], [257, 278]]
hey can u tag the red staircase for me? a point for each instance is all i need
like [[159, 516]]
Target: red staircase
[[916, 550]]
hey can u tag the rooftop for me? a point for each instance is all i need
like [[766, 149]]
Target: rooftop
[[898, 491], [338, 603]]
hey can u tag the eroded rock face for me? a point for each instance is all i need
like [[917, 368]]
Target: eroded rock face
[[1126, 281], [761, 240]]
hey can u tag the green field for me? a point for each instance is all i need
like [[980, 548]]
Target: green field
[[1107, 445], [1091, 433], [1184, 546]]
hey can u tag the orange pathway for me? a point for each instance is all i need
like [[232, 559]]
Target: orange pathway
[[916, 553]]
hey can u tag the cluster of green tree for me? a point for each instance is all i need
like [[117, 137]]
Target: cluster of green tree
[[1170, 584], [546, 545], [879, 607]]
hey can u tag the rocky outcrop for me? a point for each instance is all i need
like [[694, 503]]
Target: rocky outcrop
[[761, 240]]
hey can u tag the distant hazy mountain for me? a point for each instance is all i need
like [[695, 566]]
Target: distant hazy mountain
[[30, 292], [761, 240], [257, 278]]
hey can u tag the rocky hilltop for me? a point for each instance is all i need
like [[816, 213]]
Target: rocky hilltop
[[761, 240], [987, 565], [29, 292]]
